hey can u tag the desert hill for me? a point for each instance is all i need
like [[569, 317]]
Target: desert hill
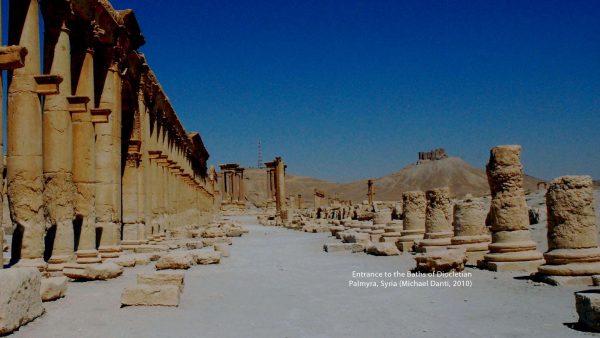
[[453, 172]]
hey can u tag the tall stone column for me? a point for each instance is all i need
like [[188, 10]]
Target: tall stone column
[[370, 191], [130, 200], [108, 165], [414, 205], [512, 248], [280, 185], [24, 139], [84, 165], [438, 220], [573, 255], [59, 191]]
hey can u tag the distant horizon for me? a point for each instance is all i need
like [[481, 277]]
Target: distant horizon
[[345, 90]]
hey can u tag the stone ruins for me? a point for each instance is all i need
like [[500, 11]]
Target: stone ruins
[[101, 176]]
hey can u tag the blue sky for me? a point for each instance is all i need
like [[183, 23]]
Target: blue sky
[[354, 89]]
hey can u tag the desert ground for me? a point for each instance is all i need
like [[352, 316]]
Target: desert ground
[[280, 283]]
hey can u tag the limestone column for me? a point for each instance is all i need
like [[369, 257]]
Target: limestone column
[[242, 197], [280, 185], [438, 221], [108, 165], [414, 206], [59, 191], [512, 248], [130, 200], [84, 165], [572, 231], [145, 184], [24, 139], [470, 231], [370, 191]]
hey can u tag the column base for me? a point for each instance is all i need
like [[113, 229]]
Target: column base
[[525, 266], [37, 263], [112, 251], [56, 264], [87, 257]]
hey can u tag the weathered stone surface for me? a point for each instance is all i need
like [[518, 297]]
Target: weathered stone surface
[[512, 247], [20, 300], [142, 259], [213, 232], [100, 271], [166, 277], [343, 247], [126, 261], [53, 288], [213, 241], [150, 248], [194, 244], [150, 295], [383, 249], [203, 257], [446, 260], [234, 232], [357, 237], [588, 309], [175, 260]]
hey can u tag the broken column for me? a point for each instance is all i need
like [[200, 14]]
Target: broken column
[[438, 221], [24, 140], [470, 231], [573, 255], [512, 248], [280, 188], [414, 206]]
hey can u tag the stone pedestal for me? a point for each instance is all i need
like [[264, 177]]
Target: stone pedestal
[[414, 205], [573, 255], [438, 221], [470, 231], [512, 248]]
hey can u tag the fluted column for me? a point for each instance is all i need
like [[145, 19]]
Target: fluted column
[[24, 139], [59, 192]]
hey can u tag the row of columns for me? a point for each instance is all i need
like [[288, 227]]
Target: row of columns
[[233, 184], [69, 183]]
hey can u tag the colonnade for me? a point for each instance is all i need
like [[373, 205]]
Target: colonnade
[[97, 159]]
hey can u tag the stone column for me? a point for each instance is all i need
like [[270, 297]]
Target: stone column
[[130, 200], [24, 140], [108, 165], [438, 221], [512, 248], [370, 191], [269, 188], [242, 191], [59, 191], [573, 255], [414, 206], [84, 165], [470, 231], [280, 185], [300, 201]]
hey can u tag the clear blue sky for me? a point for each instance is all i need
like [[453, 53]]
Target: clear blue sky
[[354, 89]]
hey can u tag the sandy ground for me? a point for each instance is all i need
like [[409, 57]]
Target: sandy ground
[[279, 283]]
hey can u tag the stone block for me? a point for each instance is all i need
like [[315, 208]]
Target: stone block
[[166, 277], [203, 257], [343, 247], [150, 295], [125, 261], [175, 260], [100, 271], [383, 249], [588, 309], [194, 244], [448, 260], [53, 288], [20, 300]]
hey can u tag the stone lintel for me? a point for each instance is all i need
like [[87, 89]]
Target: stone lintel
[[47, 84], [100, 115], [78, 104], [12, 57]]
